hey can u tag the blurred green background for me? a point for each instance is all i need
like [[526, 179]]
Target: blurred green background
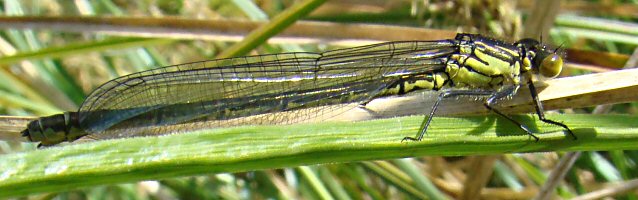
[[47, 70]]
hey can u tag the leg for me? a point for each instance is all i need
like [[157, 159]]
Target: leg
[[426, 122], [502, 94], [540, 111]]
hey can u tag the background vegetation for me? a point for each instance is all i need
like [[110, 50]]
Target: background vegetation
[[47, 70]]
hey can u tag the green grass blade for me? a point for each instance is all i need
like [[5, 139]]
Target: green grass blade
[[313, 178], [336, 188], [421, 182], [277, 24], [80, 48], [593, 23], [389, 177], [13, 100], [358, 173], [507, 176], [262, 147]]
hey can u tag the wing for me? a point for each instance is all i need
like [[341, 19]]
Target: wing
[[230, 89]]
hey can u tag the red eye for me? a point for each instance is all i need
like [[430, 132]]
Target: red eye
[[551, 66]]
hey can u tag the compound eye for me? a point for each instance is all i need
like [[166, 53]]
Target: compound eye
[[551, 66]]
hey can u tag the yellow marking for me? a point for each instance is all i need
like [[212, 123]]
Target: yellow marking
[[527, 62], [439, 80], [516, 69], [516, 73], [495, 65], [484, 70], [407, 87], [424, 84], [411, 83], [462, 76], [504, 67], [392, 91]]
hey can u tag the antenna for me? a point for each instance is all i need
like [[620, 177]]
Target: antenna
[[559, 46]]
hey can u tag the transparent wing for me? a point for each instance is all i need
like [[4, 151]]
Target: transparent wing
[[240, 90]]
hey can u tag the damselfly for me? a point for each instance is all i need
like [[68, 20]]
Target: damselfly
[[253, 89]]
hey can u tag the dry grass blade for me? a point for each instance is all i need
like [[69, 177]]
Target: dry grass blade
[[225, 29], [616, 189], [557, 174], [562, 93], [619, 86], [605, 60], [541, 18], [481, 168], [10, 127]]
